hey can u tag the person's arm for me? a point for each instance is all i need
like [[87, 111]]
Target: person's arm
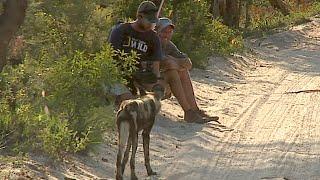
[[179, 57], [169, 64], [116, 37], [182, 62], [157, 56], [156, 68]]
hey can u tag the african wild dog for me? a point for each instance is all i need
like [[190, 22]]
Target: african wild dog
[[132, 117]]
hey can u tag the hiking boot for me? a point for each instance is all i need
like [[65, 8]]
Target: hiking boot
[[203, 114], [192, 116]]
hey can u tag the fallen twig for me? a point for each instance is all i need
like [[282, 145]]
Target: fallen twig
[[304, 91], [219, 127]]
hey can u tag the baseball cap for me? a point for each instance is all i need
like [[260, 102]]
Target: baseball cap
[[163, 23], [149, 9]]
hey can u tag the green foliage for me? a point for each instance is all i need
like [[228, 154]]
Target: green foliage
[[222, 40], [67, 58], [66, 26], [124, 9], [270, 21], [200, 37], [74, 86]]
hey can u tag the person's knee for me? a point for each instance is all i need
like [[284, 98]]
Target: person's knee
[[171, 75], [169, 65], [184, 74]]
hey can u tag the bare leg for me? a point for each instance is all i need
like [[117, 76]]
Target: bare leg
[[173, 79], [188, 88]]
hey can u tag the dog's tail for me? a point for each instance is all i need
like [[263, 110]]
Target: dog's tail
[[124, 131]]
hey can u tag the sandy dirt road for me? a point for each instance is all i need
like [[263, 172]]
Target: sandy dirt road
[[276, 122], [268, 97]]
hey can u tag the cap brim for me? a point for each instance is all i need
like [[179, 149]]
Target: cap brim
[[152, 18], [164, 26]]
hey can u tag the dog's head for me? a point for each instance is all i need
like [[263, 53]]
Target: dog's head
[[158, 90]]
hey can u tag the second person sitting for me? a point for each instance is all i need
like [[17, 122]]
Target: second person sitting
[[175, 67]]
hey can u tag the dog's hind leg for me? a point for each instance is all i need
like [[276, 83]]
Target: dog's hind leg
[[126, 154], [124, 130], [134, 138], [146, 142]]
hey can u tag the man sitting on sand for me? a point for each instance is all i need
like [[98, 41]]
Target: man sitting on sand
[[140, 37], [175, 68]]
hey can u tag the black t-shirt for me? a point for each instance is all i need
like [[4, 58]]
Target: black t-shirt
[[146, 44]]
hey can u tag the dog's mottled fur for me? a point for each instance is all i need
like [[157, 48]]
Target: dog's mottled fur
[[134, 116]]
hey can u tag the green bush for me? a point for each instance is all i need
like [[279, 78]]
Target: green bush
[[217, 40], [67, 57], [271, 21], [74, 86], [66, 26], [124, 9], [200, 37]]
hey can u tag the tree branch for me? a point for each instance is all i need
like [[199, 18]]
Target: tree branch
[[10, 21]]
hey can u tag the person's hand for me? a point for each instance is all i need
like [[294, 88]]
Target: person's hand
[[187, 64], [169, 64], [183, 63]]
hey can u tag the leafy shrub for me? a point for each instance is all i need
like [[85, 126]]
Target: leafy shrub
[[67, 57], [66, 26], [200, 37], [74, 87], [265, 20]]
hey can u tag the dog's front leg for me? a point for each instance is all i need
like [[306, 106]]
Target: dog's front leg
[[146, 142]]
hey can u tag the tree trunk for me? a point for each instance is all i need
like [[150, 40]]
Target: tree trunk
[[10, 21], [302, 3], [238, 13], [158, 3], [215, 9], [248, 15], [232, 15], [281, 6]]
